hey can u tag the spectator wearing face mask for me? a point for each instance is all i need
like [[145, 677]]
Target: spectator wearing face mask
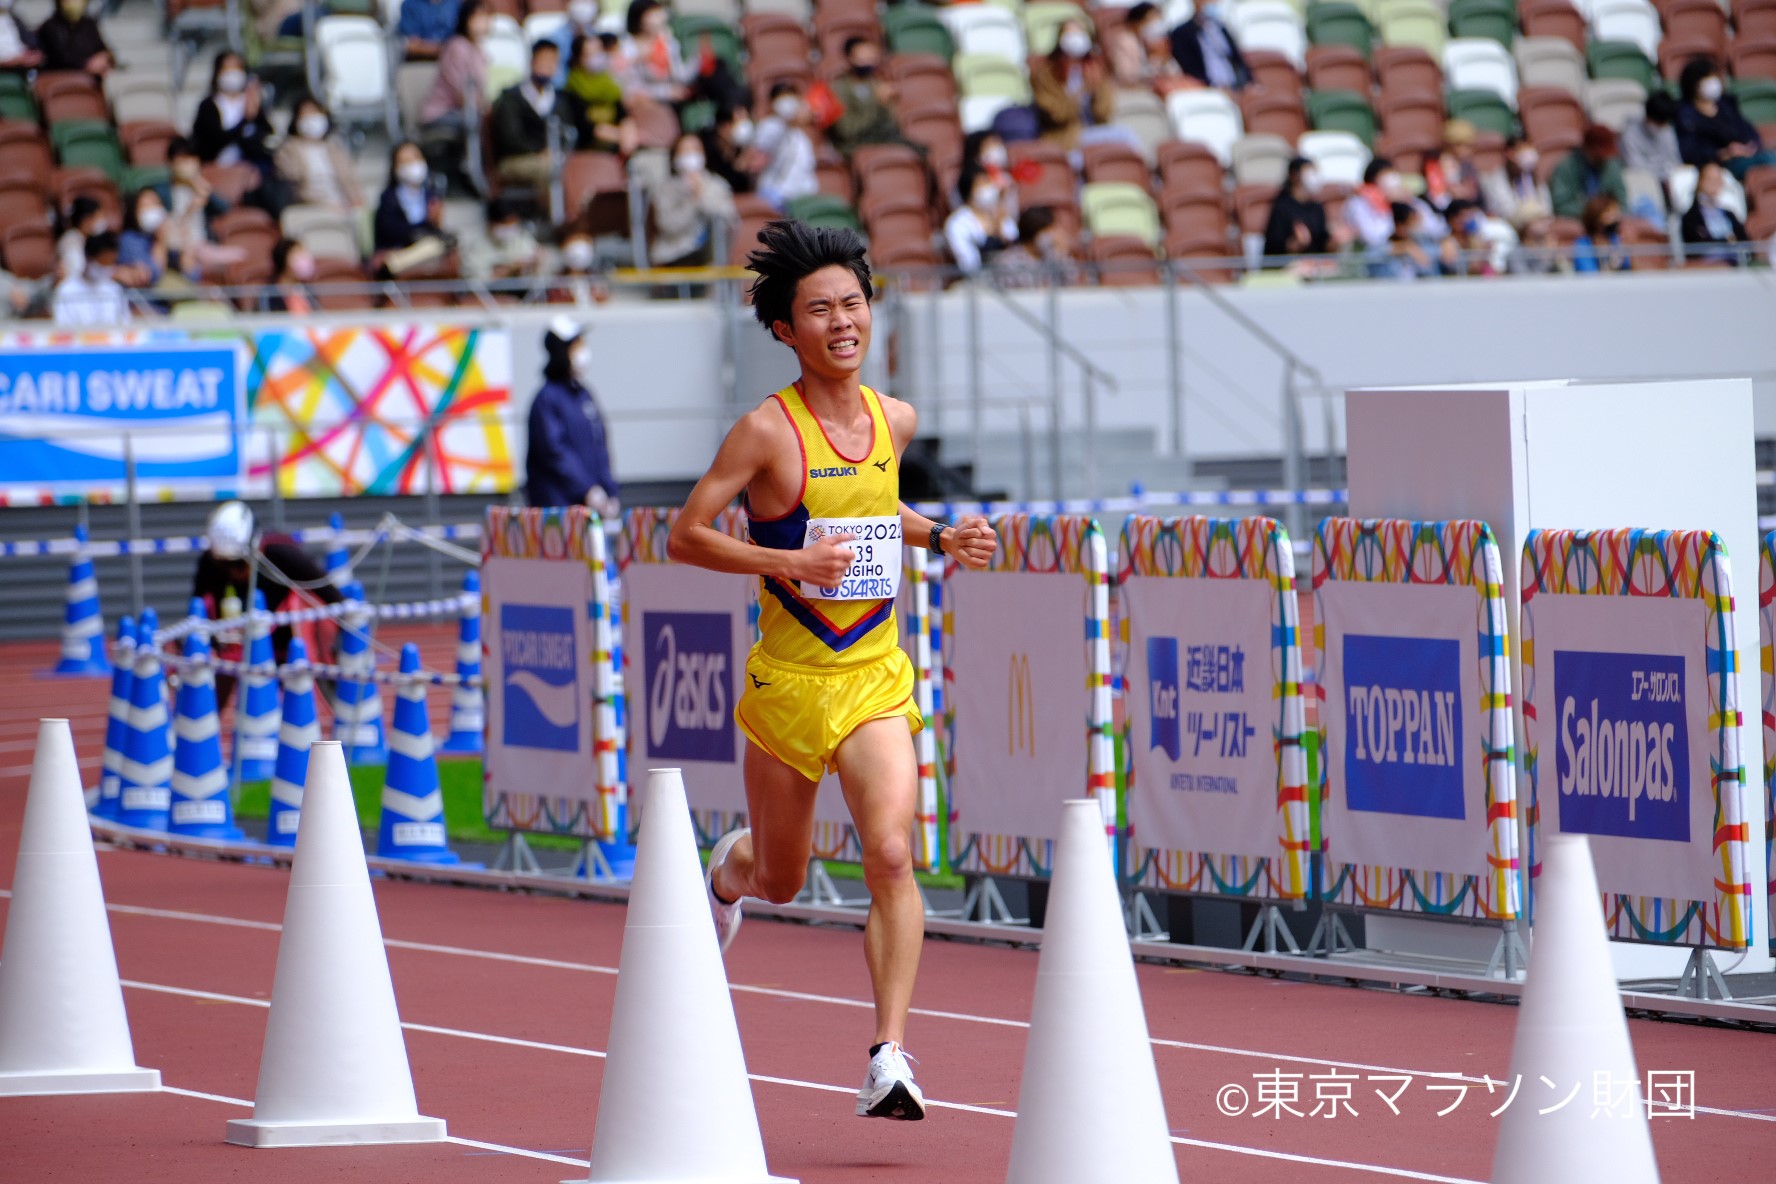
[[985, 152], [582, 21], [409, 210], [316, 165], [18, 45], [868, 100], [1600, 247], [292, 270], [1206, 52], [84, 219], [979, 228], [576, 280], [232, 126], [191, 204], [1452, 176], [1710, 226], [1297, 224], [567, 461], [142, 248], [691, 206], [786, 149], [1710, 126], [1650, 142], [507, 252], [728, 147], [654, 66], [1589, 170], [461, 80], [1041, 256], [1511, 185], [1369, 212], [425, 26], [1139, 51], [1070, 89], [1403, 256], [605, 124], [521, 118], [1538, 249], [91, 297], [70, 40]]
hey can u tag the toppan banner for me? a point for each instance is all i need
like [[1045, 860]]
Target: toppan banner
[[66, 413], [1403, 725], [1622, 750], [686, 668]]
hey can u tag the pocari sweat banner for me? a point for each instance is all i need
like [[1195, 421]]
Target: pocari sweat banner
[[66, 413]]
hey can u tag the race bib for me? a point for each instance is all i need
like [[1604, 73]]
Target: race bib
[[875, 572]]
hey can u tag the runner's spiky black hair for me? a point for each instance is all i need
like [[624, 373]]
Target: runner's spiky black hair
[[788, 253]]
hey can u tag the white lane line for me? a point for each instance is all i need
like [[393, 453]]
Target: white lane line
[[792, 1082], [839, 1001], [461, 1142]]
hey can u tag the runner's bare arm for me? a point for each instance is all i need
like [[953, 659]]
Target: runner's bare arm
[[971, 540], [742, 457]]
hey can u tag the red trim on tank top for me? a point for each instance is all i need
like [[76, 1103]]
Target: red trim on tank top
[[802, 445], [856, 460]]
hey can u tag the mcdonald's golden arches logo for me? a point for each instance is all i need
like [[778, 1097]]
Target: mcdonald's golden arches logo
[[1021, 716]]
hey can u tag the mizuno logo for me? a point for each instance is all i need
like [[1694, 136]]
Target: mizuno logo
[[883, 463], [834, 471], [756, 682]]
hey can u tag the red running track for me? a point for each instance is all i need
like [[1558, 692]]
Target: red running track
[[507, 1001]]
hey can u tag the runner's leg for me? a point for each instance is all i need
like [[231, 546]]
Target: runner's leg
[[880, 773], [772, 862]]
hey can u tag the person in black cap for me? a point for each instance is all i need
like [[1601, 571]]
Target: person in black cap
[[568, 459]]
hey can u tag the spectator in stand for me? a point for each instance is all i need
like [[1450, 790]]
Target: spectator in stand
[[425, 26], [578, 281], [85, 218], [1451, 176], [1297, 224], [1538, 250], [1041, 256], [728, 146], [292, 270], [316, 165], [867, 98], [568, 462], [979, 228], [1477, 245], [691, 205], [1510, 187], [657, 69], [1600, 247], [1139, 51], [70, 40], [985, 152], [508, 251], [786, 149], [1404, 256], [582, 21], [521, 119], [232, 125], [18, 45], [604, 121], [92, 297], [1710, 126], [1206, 51], [1071, 90], [1711, 226], [461, 82], [142, 248], [1650, 142], [1587, 171], [1369, 212], [410, 209]]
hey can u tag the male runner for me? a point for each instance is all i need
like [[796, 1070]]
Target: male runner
[[827, 686]]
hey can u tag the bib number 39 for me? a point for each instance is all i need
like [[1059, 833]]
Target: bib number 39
[[874, 573]]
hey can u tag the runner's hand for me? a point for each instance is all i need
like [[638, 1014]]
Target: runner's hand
[[973, 542], [826, 561]]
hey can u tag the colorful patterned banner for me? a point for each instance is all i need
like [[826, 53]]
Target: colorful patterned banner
[[1767, 662], [571, 535], [1048, 545], [1671, 566], [1458, 553], [1255, 549]]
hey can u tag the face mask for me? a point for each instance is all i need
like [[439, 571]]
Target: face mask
[[1392, 185], [743, 132], [994, 156], [654, 27], [1216, 12], [690, 163], [231, 82], [786, 107], [1710, 89], [151, 219], [986, 196], [98, 273], [1310, 180], [412, 174], [505, 234], [594, 63], [582, 13], [312, 126], [1155, 33], [1526, 159], [580, 358], [542, 82], [1076, 43], [1611, 227], [864, 70], [302, 267], [99, 227], [577, 255]]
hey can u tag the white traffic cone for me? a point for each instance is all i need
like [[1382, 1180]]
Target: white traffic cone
[[1089, 1107], [334, 1068], [1571, 1031], [62, 1025], [676, 1105]]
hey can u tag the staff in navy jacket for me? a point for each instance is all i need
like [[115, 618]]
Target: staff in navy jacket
[[568, 461]]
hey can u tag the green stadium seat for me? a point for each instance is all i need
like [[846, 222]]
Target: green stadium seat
[[145, 176], [915, 28], [1340, 24], [1120, 209], [690, 31], [1620, 59], [823, 209], [1485, 109], [88, 143], [1342, 111], [1499, 26], [696, 115], [1417, 28], [18, 105], [1757, 99]]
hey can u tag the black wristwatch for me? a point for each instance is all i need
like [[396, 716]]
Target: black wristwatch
[[936, 542]]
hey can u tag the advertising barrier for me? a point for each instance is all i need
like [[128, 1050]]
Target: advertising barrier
[[1417, 777], [1217, 775], [1631, 718], [1027, 706], [1767, 663]]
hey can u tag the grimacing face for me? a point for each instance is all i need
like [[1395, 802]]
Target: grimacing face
[[829, 326]]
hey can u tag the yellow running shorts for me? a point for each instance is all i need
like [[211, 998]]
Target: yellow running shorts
[[801, 714]]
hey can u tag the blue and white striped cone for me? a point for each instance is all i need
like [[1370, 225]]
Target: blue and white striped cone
[[412, 801], [144, 796], [123, 673], [357, 714], [256, 725], [468, 706], [83, 626], [338, 555], [201, 808], [297, 732]]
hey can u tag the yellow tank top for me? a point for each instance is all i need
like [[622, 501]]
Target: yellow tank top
[[803, 625]]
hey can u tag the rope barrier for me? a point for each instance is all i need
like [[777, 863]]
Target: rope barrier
[[438, 536], [1143, 501], [318, 669], [406, 611]]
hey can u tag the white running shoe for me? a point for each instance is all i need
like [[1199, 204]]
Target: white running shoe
[[889, 1091], [727, 916]]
